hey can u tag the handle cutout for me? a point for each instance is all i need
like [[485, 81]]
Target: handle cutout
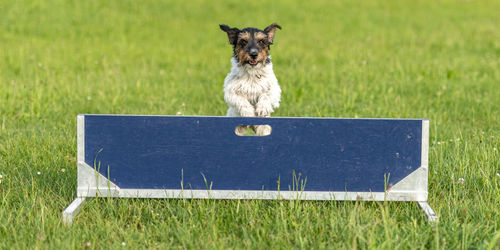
[[253, 130]]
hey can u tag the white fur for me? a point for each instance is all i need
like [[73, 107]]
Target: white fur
[[251, 91]]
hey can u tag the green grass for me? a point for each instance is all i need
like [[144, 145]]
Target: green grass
[[403, 59]]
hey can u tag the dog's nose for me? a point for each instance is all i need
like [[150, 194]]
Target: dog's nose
[[253, 53]]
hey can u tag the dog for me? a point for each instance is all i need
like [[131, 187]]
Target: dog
[[251, 88]]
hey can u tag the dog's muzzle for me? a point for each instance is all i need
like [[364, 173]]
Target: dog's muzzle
[[253, 53]]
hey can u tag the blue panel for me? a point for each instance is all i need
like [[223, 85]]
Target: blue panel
[[152, 152]]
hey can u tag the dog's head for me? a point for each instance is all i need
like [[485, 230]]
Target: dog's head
[[251, 45]]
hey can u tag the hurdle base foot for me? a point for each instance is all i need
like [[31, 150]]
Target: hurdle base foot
[[72, 210], [431, 215]]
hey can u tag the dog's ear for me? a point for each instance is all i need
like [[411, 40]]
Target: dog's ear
[[270, 31], [232, 33]]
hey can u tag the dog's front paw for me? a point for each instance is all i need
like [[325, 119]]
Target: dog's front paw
[[247, 111], [263, 110]]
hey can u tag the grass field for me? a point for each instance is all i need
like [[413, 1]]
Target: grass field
[[400, 59]]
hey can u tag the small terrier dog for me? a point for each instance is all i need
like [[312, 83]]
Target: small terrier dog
[[251, 88]]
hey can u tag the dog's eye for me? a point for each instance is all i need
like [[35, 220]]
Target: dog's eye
[[262, 42], [243, 42]]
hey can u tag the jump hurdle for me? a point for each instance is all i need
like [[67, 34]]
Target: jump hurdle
[[203, 158]]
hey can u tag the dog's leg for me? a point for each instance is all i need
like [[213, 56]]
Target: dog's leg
[[275, 95], [262, 130], [240, 130], [238, 103], [232, 112], [263, 107]]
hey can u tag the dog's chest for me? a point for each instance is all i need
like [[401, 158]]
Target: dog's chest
[[250, 86]]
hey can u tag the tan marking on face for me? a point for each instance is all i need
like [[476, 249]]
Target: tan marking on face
[[242, 56], [265, 50], [240, 48], [244, 36], [260, 36], [262, 55]]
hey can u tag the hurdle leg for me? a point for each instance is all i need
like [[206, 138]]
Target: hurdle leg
[[431, 216], [72, 210]]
